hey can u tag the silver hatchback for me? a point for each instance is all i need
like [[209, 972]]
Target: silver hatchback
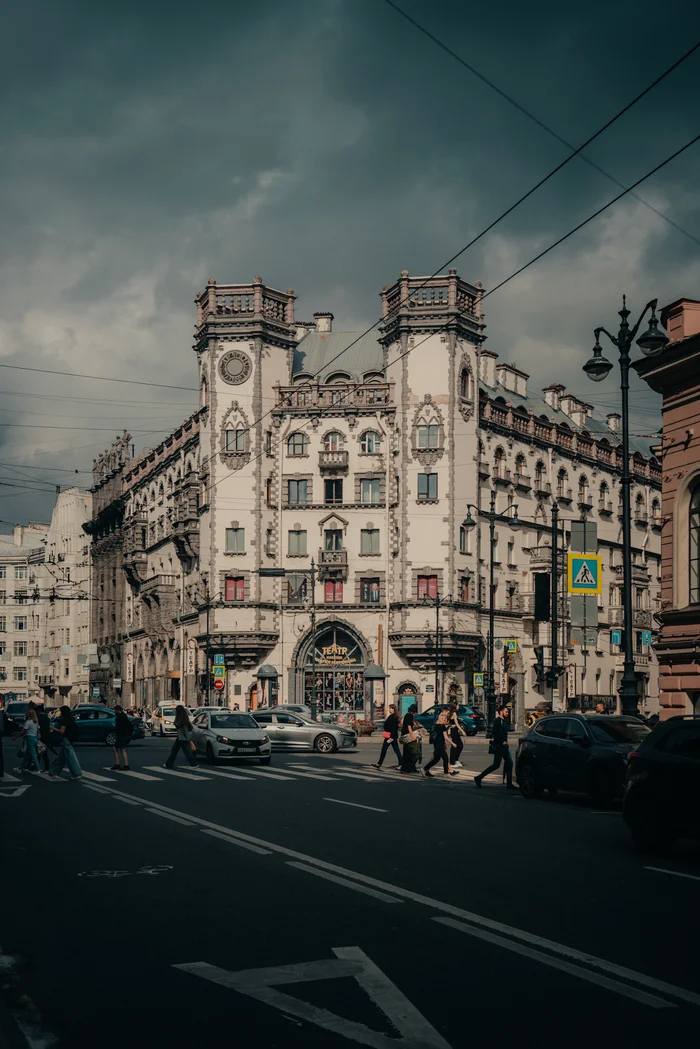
[[298, 732]]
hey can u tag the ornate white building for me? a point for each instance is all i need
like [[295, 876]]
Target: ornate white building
[[21, 555], [351, 459]]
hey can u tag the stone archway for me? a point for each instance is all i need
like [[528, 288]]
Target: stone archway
[[341, 654], [405, 695]]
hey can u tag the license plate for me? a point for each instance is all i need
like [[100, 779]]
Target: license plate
[[245, 750]]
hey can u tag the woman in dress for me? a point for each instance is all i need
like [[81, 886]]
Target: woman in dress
[[411, 746], [440, 735], [182, 740], [122, 727]]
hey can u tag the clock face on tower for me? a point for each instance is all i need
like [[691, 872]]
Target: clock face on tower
[[235, 367]]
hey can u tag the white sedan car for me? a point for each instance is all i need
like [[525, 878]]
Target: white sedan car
[[230, 734]]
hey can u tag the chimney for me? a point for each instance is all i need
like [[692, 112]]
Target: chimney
[[552, 395], [614, 421], [681, 319], [488, 367], [303, 328], [324, 321], [512, 378]]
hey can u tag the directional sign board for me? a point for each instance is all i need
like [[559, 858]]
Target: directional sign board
[[219, 660], [585, 574], [616, 636], [646, 638], [478, 679]]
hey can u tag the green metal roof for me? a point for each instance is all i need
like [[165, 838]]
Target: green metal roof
[[317, 352]]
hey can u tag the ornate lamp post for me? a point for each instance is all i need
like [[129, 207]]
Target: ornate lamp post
[[597, 368], [468, 523]]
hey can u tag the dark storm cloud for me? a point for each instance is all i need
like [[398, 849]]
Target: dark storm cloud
[[327, 145]]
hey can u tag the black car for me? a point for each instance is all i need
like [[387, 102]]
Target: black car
[[16, 714], [578, 753], [662, 797]]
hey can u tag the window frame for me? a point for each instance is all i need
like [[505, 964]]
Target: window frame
[[375, 485], [298, 533], [429, 586], [375, 437], [239, 534], [294, 440], [239, 435], [237, 589], [694, 546], [427, 491], [370, 585], [369, 534], [298, 483], [336, 482]]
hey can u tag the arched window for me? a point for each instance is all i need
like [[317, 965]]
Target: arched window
[[540, 476], [370, 442], [297, 444], [333, 441], [520, 465], [204, 396], [583, 496], [655, 511], [499, 463], [466, 384], [428, 435], [639, 509], [562, 479], [604, 505], [236, 439]]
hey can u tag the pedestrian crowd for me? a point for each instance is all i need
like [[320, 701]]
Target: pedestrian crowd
[[446, 737], [41, 737]]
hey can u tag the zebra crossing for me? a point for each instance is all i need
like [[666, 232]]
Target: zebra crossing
[[289, 773]]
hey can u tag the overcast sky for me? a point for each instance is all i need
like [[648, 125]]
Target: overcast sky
[[326, 145]]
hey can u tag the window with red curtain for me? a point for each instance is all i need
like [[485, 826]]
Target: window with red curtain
[[427, 586], [465, 584], [333, 592], [235, 588]]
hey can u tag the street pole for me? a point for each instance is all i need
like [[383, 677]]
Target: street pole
[[314, 696], [208, 650], [491, 694], [437, 649], [555, 596], [597, 368]]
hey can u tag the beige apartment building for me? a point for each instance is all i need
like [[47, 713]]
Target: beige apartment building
[[347, 461], [21, 555]]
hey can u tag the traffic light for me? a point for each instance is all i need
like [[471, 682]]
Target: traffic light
[[539, 663], [543, 587]]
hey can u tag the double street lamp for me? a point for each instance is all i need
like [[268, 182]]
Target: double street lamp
[[598, 368], [468, 523]]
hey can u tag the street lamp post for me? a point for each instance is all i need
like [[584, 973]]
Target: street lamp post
[[438, 605], [314, 693], [468, 523], [597, 368]]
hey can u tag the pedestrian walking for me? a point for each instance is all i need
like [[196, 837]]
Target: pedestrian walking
[[410, 737], [122, 726], [30, 734], [500, 749], [391, 738], [44, 737], [457, 734], [182, 741], [67, 730], [439, 739]]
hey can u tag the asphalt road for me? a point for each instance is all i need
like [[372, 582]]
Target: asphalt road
[[319, 903]]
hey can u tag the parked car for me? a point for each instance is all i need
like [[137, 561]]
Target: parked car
[[579, 753], [472, 720], [163, 720], [96, 723], [296, 731], [662, 796], [291, 708], [230, 734], [16, 714]]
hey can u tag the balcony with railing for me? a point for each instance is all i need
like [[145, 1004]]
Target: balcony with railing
[[605, 506], [564, 494], [334, 461], [542, 486], [522, 481], [333, 564], [245, 300], [641, 517], [501, 475], [158, 587], [640, 573], [308, 397], [641, 617]]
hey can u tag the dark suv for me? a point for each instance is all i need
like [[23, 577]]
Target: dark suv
[[471, 719], [662, 797], [578, 753]]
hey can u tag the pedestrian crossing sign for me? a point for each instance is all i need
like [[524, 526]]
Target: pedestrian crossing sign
[[585, 574], [479, 679]]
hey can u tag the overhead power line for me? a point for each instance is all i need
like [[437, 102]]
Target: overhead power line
[[101, 378], [540, 123]]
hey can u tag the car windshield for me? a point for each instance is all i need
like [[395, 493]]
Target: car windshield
[[233, 721], [17, 708], [608, 730], [168, 712]]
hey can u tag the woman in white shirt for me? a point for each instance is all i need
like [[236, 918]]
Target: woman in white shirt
[[30, 731]]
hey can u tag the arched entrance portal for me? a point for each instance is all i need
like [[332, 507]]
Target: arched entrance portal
[[339, 658]]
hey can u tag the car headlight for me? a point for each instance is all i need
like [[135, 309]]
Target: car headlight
[[222, 739], [265, 739]]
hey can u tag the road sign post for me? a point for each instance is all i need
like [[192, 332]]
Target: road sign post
[[585, 574]]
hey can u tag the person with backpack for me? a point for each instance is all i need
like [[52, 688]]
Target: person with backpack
[[67, 732], [391, 736], [122, 726], [182, 741], [439, 737], [500, 749]]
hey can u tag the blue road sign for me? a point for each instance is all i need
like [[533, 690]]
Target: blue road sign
[[616, 637]]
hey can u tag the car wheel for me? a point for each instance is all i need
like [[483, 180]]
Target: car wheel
[[324, 744], [473, 732], [211, 758], [265, 761], [601, 789], [529, 781], [111, 739]]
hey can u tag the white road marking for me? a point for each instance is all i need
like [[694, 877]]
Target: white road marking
[[138, 775], [235, 841], [354, 805], [16, 793], [268, 775], [93, 777], [98, 790], [558, 963], [355, 776], [552, 946], [223, 775], [345, 882], [9, 778], [304, 775], [678, 874], [169, 816], [173, 772], [128, 801], [414, 1030]]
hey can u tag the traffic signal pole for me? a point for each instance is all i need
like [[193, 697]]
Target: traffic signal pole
[[555, 597]]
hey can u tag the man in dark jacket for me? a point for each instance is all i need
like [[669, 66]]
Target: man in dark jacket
[[44, 733], [3, 730], [500, 749], [391, 735]]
